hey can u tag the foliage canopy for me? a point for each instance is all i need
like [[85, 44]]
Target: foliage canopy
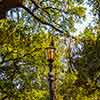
[[23, 39]]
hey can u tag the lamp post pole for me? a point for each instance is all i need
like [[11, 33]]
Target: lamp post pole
[[51, 80], [51, 76]]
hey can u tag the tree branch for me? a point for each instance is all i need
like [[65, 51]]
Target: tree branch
[[41, 21], [49, 7], [36, 5]]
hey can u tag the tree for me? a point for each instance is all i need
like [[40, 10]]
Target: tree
[[23, 42], [22, 63], [46, 13]]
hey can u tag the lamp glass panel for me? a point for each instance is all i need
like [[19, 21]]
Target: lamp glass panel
[[51, 53]]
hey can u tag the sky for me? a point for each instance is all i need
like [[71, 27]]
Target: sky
[[89, 20]]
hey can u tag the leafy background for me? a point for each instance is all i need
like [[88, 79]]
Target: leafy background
[[24, 37]]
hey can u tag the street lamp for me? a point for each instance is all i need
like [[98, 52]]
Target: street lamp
[[51, 78], [51, 52]]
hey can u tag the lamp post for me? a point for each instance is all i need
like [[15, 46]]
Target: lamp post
[[51, 78]]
